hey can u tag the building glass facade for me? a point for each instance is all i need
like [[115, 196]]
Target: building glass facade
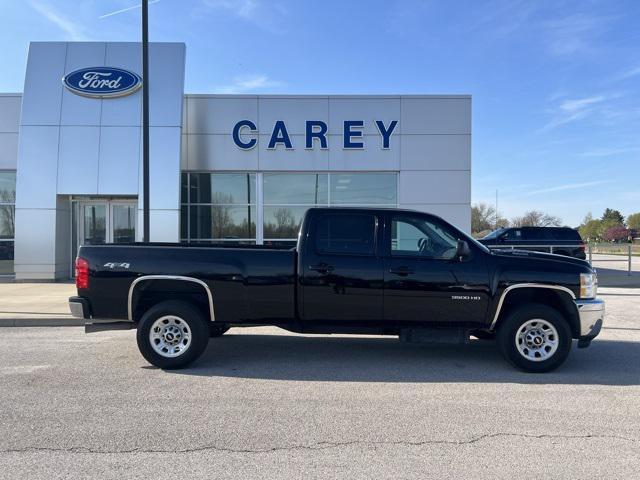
[[224, 207], [7, 220], [218, 207]]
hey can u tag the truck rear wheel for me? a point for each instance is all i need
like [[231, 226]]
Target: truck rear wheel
[[172, 334], [535, 338]]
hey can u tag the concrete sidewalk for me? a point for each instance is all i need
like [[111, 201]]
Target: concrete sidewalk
[[36, 304]]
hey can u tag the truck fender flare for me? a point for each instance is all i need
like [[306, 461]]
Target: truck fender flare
[[143, 278], [525, 285]]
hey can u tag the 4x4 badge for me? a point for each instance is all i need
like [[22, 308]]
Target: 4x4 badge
[[113, 265]]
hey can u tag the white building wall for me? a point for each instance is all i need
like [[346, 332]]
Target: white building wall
[[9, 125], [74, 145], [430, 148]]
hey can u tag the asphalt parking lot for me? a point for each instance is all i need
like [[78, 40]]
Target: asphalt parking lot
[[263, 403]]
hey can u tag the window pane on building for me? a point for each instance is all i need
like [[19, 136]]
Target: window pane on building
[[295, 188], [184, 188], [219, 207], [282, 222], [7, 221], [7, 187], [222, 222], [6, 258], [363, 189], [223, 188], [184, 223]]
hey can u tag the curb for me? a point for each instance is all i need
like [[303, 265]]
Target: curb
[[42, 322]]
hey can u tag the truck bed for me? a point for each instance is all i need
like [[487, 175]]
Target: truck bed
[[248, 284]]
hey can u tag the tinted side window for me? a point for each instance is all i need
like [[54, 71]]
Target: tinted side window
[[513, 234], [565, 234], [346, 233], [533, 234]]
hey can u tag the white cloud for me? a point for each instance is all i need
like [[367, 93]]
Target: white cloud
[[633, 72], [574, 34], [501, 19], [268, 16], [73, 30], [570, 110], [579, 104], [242, 8], [123, 10], [609, 152], [249, 84], [567, 186]]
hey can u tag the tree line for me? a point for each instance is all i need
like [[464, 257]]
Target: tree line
[[610, 227]]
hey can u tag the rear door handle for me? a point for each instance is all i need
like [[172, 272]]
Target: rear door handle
[[401, 271], [321, 268]]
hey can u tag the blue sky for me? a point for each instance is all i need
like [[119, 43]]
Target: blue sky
[[555, 84]]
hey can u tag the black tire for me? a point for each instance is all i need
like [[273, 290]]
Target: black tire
[[525, 317], [217, 330], [182, 313]]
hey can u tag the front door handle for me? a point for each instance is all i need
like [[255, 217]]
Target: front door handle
[[401, 271], [321, 268]]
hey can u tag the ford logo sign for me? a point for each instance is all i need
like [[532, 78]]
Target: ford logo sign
[[102, 82]]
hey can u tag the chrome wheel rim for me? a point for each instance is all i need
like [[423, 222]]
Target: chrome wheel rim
[[170, 336], [537, 340]]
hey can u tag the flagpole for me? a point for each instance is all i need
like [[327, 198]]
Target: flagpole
[[145, 120]]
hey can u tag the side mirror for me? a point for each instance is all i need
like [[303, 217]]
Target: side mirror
[[463, 251]]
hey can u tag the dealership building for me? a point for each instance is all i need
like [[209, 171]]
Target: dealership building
[[223, 168]]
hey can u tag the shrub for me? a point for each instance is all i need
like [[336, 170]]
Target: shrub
[[618, 234]]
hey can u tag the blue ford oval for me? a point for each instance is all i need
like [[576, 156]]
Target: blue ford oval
[[102, 82]]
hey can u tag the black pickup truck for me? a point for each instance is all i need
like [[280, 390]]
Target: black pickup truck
[[559, 240], [359, 271]]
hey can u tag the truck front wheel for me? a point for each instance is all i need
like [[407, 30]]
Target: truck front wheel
[[172, 334], [535, 338]]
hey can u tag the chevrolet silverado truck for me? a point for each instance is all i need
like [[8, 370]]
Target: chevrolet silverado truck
[[353, 271]]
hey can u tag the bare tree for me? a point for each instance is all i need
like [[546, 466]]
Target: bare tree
[[284, 220], [221, 220], [536, 218], [7, 214], [285, 225], [484, 217]]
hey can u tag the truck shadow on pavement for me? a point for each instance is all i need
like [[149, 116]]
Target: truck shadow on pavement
[[617, 278], [359, 359]]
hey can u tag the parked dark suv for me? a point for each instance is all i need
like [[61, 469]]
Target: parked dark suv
[[558, 240]]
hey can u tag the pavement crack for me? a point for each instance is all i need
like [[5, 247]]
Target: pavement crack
[[316, 446]]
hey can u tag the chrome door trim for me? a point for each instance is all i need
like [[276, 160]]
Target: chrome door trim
[[526, 285], [169, 277]]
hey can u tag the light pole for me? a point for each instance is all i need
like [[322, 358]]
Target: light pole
[[145, 121]]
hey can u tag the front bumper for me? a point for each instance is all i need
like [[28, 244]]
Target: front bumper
[[80, 308], [591, 314]]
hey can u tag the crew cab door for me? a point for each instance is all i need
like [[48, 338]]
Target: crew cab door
[[341, 270], [424, 281]]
